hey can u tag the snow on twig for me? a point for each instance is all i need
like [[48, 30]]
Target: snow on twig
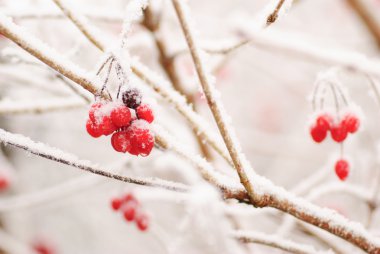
[[57, 155]]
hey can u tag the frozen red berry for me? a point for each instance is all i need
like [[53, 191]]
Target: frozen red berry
[[121, 116], [132, 98], [142, 139], [317, 133], [93, 129], [129, 212], [107, 125], [342, 169], [121, 141], [93, 111], [339, 132], [116, 203], [324, 122], [144, 111], [351, 122], [142, 222]]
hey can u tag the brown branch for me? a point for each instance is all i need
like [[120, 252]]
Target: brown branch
[[274, 15], [214, 104], [369, 21], [79, 21], [152, 23]]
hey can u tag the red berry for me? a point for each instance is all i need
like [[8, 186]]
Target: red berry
[[351, 122], [342, 169], [116, 203], [4, 183], [93, 129], [317, 133], [107, 126], [142, 140], [129, 212], [144, 111], [324, 122], [93, 111], [129, 197], [42, 248], [121, 142], [121, 116], [339, 132], [142, 222]]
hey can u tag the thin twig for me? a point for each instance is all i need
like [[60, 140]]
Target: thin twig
[[274, 15], [54, 154]]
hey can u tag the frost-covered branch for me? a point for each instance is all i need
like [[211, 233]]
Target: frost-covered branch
[[217, 109], [276, 242], [57, 155], [46, 54], [80, 22]]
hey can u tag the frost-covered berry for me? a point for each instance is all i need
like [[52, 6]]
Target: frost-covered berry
[[116, 203], [121, 141], [342, 169], [339, 132], [324, 122], [145, 112], [317, 133], [132, 98], [93, 129], [121, 116], [142, 222], [94, 110], [142, 139], [351, 122], [107, 126]]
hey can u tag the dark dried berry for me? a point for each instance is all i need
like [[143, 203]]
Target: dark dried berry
[[132, 98]]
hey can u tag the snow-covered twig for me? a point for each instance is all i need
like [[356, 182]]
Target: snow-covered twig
[[80, 22], [57, 155], [217, 109], [275, 14], [46, 54], [276, 242]]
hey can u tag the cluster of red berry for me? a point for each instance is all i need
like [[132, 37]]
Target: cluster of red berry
[[130, 207], [339, 129], [128, 122]]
